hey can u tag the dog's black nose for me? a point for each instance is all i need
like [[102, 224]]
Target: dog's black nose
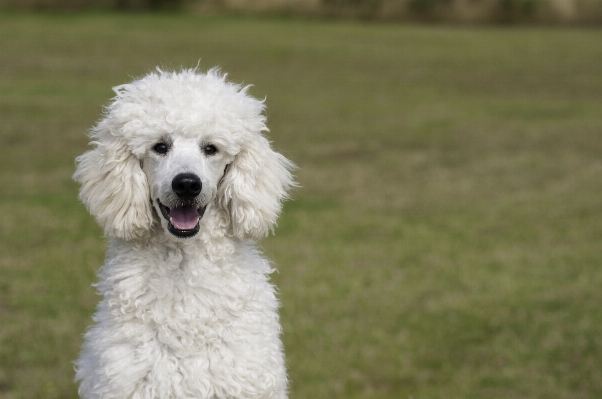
[[186, 185]]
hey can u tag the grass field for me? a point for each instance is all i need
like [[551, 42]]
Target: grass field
[[447, 238]]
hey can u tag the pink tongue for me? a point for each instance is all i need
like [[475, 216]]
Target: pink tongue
[[184, 217]]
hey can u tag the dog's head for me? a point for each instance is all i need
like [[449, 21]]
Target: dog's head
[[179, 143]]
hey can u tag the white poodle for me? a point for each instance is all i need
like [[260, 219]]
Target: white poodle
[[183, 182]]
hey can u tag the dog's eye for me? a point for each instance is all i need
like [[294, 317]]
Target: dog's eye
[[160, 148], [209, 149]]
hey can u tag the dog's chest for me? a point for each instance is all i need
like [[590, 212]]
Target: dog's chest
[[191, 305]]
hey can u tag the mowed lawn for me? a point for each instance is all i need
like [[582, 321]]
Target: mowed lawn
[[446, 240]]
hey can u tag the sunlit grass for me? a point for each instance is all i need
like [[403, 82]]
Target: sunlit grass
[[446, 238]]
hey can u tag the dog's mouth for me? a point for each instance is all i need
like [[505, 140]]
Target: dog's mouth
[[183, 220]]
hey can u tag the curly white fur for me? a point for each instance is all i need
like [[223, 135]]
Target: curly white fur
[[191, 317]]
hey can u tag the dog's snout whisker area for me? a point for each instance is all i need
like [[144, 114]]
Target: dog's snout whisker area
[[187, 186]]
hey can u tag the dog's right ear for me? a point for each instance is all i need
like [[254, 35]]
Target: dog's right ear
[[253, 188], [115, 189]]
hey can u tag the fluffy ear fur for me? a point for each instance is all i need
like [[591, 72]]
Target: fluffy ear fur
[[253, 188], [115, 189]]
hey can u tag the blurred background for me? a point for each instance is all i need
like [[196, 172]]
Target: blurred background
[[446, 240], [462, 11]]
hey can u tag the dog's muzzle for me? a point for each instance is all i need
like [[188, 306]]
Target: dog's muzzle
[[183, 221], [183, 218]]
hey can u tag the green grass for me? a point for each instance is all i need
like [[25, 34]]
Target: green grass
[[447, 238]]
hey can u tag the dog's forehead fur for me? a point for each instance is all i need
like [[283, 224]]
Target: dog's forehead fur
[[186, 103]]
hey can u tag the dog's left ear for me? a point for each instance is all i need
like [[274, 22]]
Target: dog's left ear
[[115, 189], [253, 188]]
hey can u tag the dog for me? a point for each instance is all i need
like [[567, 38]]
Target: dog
[[183, 183]]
